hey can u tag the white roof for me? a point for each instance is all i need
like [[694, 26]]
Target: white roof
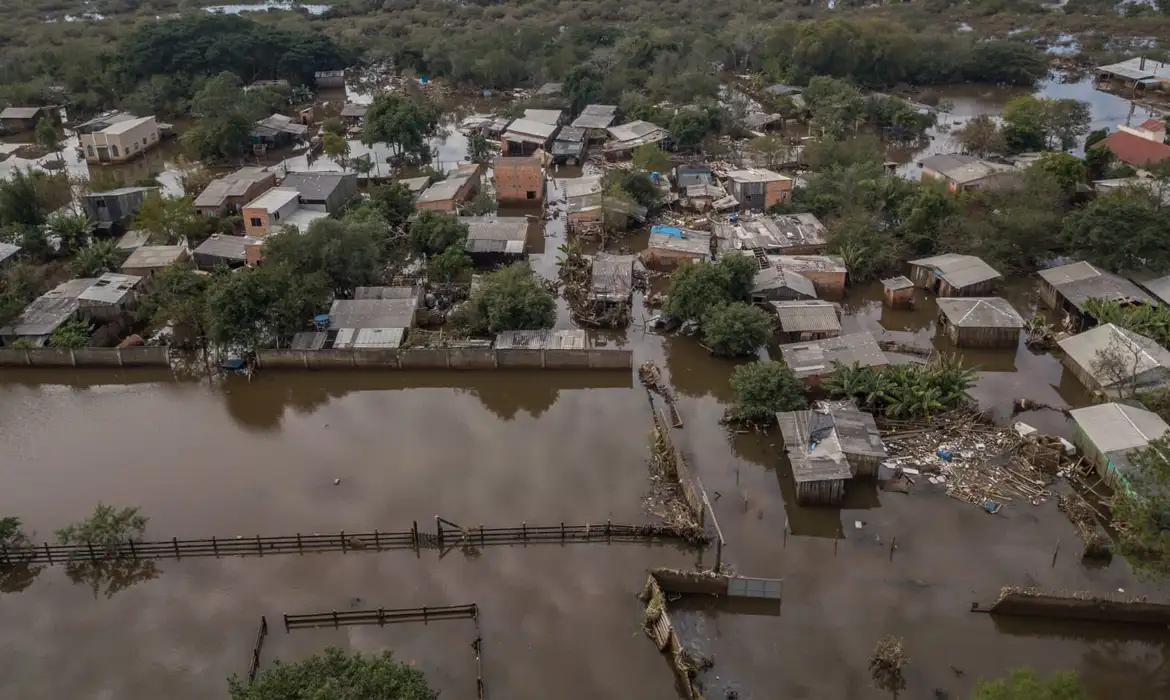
[[301, 218], [529, 127], [1113, 427], [544, 116], [124, 126], [756, 175], [274, 199], [1141, 353]]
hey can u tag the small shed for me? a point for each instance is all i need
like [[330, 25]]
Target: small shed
[[1067, 288], [953, 275], [15, 119], [46, 313], [542, 340], [626, 137], [669, 246], [1116, 361], [148, 260], [807, 319], [980, 322], [814, 359], [329, 78], [523, 137], [595, 119], [1108, 432], [827, 446], [224, 251], [759, 189], [569, 146], [496, 240], [109, 297], [776, 284], [612, 279], [898, 292]]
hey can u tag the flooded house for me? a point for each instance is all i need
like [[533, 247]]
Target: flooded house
[[758, 189], [777, 284], [496, 240], [595, 120], [670, 246], [110, 298], [323, 191], [523, 137], [1107, 433], [624, 138], [979, 322], [17, 119], [329, 79], [1134, 73], [277, 131], [963, 172], [415, 185], [788, 234], [112, 211], [148, 260], [116, 137], [814, 359], [275, 209], [553, 117], [46, 313], [445, 195], [807, 319], [376, 318], [954, 275], [1067, 289], [1142, 146], [519, 179], [1116, 361], [587, 206], [227, 194], [898, 292], [353, 115], [569, 146], [827, 446], [612, 278], [827, 272], [223, 251]]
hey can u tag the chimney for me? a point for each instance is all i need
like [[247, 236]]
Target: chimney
[[1142, 65]]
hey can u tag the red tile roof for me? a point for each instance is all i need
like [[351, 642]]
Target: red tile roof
[[1135, 150], [1153, 125]]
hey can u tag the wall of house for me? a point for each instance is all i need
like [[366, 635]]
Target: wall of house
[[777, 192], [983, 337], [269, 220], [864, 465], [437, 205], [829, 285], [668, 258], [898, 298], [515, 183], [129, 144], [805, 336], [820, 493]]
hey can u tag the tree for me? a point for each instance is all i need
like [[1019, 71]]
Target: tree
[[583, 86], [763, 389], [480, 149], [1141, 509], [773, 149], [178, 295], [448, 265], [393, 201], [335, 146], [509, 299], [886, 664], [72, 231], [1066, 121], [22, 200], [335, 674], [835, 105], [73, 335], [402, 123], [263, 306], [1098, 161], [1096, 136], [696, 287], [736, 329], [980, 137], [1121, 230], [99, 257], [333, 125], [47, 136], [1023, 684], [13, 538], [1037, 123], [640, 187], [107, 530], [651, 158], [1068, 170], [688, 127], [168, 220], [348, 256], [1119, 363], [433, 232], [226, 116]]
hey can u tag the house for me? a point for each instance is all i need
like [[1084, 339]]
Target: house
[[17, 119], [626, 137], [697, 184], [228, 193], [587, 205], [331, 79], [1158, 288], [277, 131], [444, 195], [519, 179], [122, 138], [807, 319], [827, 446], [352, 114], [576, 339], [148, 260], [8, 253], [496, 240], [826, 272], [980, 322], [960, 171], [1116, 361], [1136, 72], [323, 191], [224, 251], [112, 211], [110, 298], [595, 119], [1067, 288], [416, 185], [758, 189], [46, 314], [777, 284], [814, 359], [898, 292], [277, 208], [1142, 146], [791, 234], [378, 320], [760, 122], [554, 117], [1107, 433], [612, 278], [953, 275], [669, 246], [569, 146], [523, 137], [706, 196]]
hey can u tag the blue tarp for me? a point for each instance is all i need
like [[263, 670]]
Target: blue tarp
[[668, 230]]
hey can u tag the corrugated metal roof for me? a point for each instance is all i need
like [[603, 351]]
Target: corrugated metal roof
[[596, 117], [1065, 274], [49, 310], [502, 235], [542, 340], [154, 256], [231, 185], [1080, 281], [896, 283], [613, 276], [387, 293], [635, 133], [227, 247], [756, 175], [777, 278], [812, 445], [445, 189], [773, 232], [315, 185], [807, 315], [520, 128], [372, 313], [980, 312], [692, 244], [1137, 68], [20, 112], [815, 358], [110, 288], [1113, 427], [1160, 287], [544, 116], [1142, 355], [8, 250], [959, 270], [358, 338]]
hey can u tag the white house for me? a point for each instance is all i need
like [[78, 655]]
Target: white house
[[121, 140]]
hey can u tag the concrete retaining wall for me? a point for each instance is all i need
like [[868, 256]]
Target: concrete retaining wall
[[1099, 608], [435, 358], [84, 357]]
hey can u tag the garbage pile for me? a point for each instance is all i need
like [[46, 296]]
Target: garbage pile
[[1083, 518]]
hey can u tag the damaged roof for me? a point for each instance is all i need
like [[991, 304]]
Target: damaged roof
[[1142, 355], [506, 235], [776, 278], [980, 312], [234, 184], [635, 133], [542, 340], [807, 316], [372, 313], [773, 232], [958, 270], [613, 276], [596, 117], [1080, 281], [48, 311], [813, 446], [816, 357]]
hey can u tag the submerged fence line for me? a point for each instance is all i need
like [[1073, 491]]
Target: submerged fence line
[[446, 535]]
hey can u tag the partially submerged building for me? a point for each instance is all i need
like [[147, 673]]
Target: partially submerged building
[[758, 189], [148, 260], [227, 194], [17, 119], [46, 313], [827, 272], [626, 137], [669, 246], [587, 205], [1136, 72], [1067, 288], [116, 137], [595, 119], [519, 179], [575, 339], [807, 319], [329, 79], [224, 251], [954, 275], [1116, 361], [1108, 433], [569, 146], [789, 234], [523, 137], [112, 211], [446, 195], [814, 359], [496, 240], [827, 446], [277, 131], [612, 278], [777, 284], [352, 114], [379, 317], [979, 322], [963, 172], [898, 292]]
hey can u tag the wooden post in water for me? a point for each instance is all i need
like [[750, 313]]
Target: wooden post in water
[[335, 621], [377, 545], [342, 536], [48, 553], [414, 535], [439, 527], [175, 543], [482, 536], [300, 545], [381, 617], [215, 547], [133, 554], [286, 623], [424, 614], [524, 531], [607, 531], [893, 545], [259, 546], [1054, 553], [562, 532]]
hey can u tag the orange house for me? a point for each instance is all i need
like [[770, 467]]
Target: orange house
[[519, 179]]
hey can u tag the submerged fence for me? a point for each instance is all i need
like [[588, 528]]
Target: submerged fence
[[139, 356], [446, 358], [447, 535]]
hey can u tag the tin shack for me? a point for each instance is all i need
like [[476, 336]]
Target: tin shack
[[953, 275], [979, 322]]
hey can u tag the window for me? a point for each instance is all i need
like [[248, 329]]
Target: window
[[276, 215], [101, 204], [113, 150], [89, 150], [256, 221], [153, 136], [530, 194]]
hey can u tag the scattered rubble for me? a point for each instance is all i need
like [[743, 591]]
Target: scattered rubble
[[1083, 518]]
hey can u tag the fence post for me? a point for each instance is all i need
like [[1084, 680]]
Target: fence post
[[286, 623], [439, 527], [4, 548], [482, 536], [336, 622], [92, 556], [414, 535], [133, 554], [215, 547], [1054, 553], [607, 531], [718, 554], [377, 545], [48, 553], [524, 529], [381, 617], [259, 547], [893, 544], [424, 614], [562, 532], [175, 542], [343, 547]]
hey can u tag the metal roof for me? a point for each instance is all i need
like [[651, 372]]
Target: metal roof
[[778, 232], [528, 129], [387, 293], [1080, 281], [694, 243], [110, 288], [571, 133], [280, 123], [636, 133], [613, 276], [542, 340], [372, 313], [314, 185], [896, 283], [124, 126], [815, 358], [274, 199], [8, 250], [227, 247], [50, 310], [1160, 287], [813, 447], [355, 111], [596, 117], [807, 315], [544, 116], [1148, 361], [1073, 272], [444, 189], [1116, 427], [20, 112], [358, 338], [1137, 68], [154, 256], [959, 270], [809, 263], [777, 278], [756, 175], [980, 312], [234, 184], [503, 235]]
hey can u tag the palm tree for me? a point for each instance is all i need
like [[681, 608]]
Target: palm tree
[[72, 230], [98, 258]]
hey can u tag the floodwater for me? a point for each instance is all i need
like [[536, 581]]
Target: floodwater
[[267, 6], [159, 163]]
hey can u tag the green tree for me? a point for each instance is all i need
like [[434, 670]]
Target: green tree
[[348, 256], [403, 124], [1141, 509], [13, 538], [835, 105], [1068, 170], [73, 335], [178, 295], [449, 265], [736, 329], [393, 201], [773, 149], [1023, 684], [1098, 161], [480, 149], [651, 158], [1095, 137], [263, 306], [72, 230], [1036, 123], [688, 127], [333, 125], [168, 220], [47, 136], [99, 257], [433, 232], [1126, 229], [336, 675], [226, 113], [763, 389], [106, 530], [698, 286], [583, 86], [22, 200], [637, 184], [511, 298], [980, 136], [335, 146]]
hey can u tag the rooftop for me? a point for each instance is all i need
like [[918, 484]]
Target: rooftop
[[20, 112], [1116, 428], [227, 247], [813, 446], [416, 184], [777, 278], [353, 111], [50, 310], [110, 288], [1160, 287], [533, 130], [756, 175], [807, 316], [596, 117], [1135, 150], [102, 121], [896, 283], [7, 251], [815, 358], [444, 189], [613, 276], [1080, 281], [387, 293], [786, 231], [980, 312], [234, 184], [124, 126], [154, 256], [314, 185], [961, 168], [689, 242], [274, 199], [303, 218], [549, 89], [636, 133], [544, 116], [542, 340], [571, 133], [369, 338], [1137, 68], [959, 270], [1141, 354], [372, 313], [809, 263], [501, 235], [278, 123], [121, 191]]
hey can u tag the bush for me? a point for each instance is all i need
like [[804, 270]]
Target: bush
[[106, 530], [696, 287], [335, 674], [736, 329], [904, 391], [510, 299], [762, 389]]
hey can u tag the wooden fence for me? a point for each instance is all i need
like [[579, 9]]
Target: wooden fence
[[447, 535], [140, 356], [261, 633]]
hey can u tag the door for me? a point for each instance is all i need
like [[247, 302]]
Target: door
[[103, 154]]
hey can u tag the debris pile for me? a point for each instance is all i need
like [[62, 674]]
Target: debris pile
[[651, 378], [1083, 518], [886, 664], [575, 275]]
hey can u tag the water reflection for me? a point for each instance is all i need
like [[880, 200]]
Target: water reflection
[[112, 576], [14, 579]]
